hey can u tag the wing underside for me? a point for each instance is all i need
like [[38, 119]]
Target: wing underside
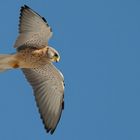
[[34, 29], [48, 89]]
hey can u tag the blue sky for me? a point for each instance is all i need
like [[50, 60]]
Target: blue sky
[[99, 43]]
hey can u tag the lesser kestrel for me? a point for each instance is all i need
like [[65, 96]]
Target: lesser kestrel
[[34, 56]]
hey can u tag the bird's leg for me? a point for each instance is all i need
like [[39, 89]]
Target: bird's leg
[[40, 52]]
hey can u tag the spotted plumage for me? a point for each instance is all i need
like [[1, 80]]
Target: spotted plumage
[[34, 57]]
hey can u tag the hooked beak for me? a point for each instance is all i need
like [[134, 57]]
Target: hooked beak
[[56, 59]]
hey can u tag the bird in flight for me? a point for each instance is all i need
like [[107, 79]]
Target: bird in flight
[[35, 58]]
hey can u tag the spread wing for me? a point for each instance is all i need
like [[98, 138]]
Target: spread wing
[[48, 87], [33, 29]]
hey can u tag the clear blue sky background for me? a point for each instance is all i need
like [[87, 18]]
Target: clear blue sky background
[[99, 43]]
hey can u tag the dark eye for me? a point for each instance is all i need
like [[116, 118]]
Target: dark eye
[[56, 55]]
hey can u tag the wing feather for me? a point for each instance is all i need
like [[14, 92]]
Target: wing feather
[[34, 29], [48, 87]]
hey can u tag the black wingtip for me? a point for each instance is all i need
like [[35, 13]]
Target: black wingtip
[[52, 132], [24, 7], [63, 105], [44, 19], [49, 130]]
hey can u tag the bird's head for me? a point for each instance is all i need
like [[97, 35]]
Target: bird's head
[[53, 55]]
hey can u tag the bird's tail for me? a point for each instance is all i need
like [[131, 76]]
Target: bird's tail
[[8, 61]]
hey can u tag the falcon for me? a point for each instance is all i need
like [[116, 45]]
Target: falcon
[[35, 58]]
